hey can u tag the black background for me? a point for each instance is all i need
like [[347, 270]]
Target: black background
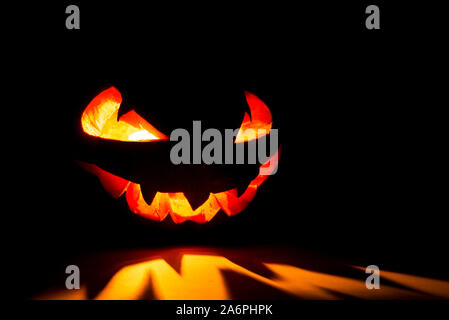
[[359, 175]]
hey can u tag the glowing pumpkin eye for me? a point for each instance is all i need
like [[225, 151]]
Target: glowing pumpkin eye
[[99, 119], [260, 122]]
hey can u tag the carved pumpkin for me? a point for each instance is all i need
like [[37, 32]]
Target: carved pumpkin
[[100, 120]]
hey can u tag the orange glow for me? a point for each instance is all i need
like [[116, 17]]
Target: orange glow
[[203, 277], [176, 204], [99, 119], [260, 122]]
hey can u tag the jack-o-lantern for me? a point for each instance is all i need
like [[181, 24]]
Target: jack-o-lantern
[[101, 121]]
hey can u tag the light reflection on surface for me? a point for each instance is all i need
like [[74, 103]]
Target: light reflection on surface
[[190, 274]]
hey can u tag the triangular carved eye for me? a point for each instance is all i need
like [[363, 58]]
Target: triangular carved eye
[[259, 124], [99, 119]]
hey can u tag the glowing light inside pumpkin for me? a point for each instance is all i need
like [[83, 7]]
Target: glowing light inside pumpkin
[[259, 124], [99, 119], [142, 135], [176, 204]]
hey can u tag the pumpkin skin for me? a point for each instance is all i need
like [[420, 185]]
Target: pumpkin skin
[[172, 189]]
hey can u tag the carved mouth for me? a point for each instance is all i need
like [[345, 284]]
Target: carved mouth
[[100, 119], [176, 204]]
